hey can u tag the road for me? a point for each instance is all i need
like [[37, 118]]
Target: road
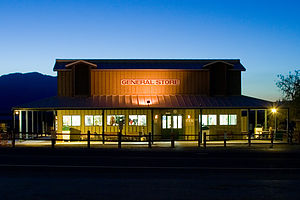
[[40, 173]]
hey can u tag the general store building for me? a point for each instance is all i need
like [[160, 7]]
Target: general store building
[[161, 96]]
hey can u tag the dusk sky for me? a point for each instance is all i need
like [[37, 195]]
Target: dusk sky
[[265, 35]]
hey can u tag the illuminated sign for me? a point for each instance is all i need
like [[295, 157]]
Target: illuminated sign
[[150, 82]]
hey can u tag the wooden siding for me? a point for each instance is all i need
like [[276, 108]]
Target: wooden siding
[[190, 125], [108, 82], [234, 82], [64, 83]]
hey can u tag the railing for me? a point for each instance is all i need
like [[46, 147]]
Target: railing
[[148, 139]]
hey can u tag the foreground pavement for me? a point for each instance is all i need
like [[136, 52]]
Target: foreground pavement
[[181, 173]]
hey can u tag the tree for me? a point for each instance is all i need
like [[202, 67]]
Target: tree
[[290, 86]]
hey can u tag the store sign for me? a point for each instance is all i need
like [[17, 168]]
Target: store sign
[[150, 82]]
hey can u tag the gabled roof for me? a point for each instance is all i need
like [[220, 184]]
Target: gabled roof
[[81, 61], [140, 101], [194, 64]]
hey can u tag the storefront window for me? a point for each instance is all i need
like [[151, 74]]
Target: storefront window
[[88, 120], [232, 120], [209, 120], [75, 120], [97, 120], [142, 120], [172, 121], [133, 120], [164, 121], [212, 119], [228, 119], [169, 122], [223, 119], [114, 120], [66, 120], [179, 121]]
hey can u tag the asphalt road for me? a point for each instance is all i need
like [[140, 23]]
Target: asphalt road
[[39, 173]]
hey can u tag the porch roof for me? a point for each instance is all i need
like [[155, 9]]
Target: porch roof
[[143, 101]]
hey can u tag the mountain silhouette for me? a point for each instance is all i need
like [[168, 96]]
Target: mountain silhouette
[[19, 88]]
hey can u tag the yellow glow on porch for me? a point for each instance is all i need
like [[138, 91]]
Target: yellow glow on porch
[[274, 110]]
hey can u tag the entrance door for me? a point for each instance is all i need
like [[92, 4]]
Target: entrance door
[[172, 123]]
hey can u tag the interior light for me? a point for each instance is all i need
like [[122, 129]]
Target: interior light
[[189, 116], [156, 116]]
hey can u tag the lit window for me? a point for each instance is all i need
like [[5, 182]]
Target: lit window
[[204, 120], [88, 119], [97, 120], [164, 121], [209, 120], [142, 120], [179, 121], [232, 120], [115, 120], [133, 120], [174, 121], [223, 119], [75, 120], [66, 120], [212, 119], [228, 119], [169, 122]]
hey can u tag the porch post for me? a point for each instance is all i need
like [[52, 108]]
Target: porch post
[[266, 119], [32, 122], [200, 128], [37, 123], [20, 124], [103, 122], [26, 120], [152, 127], [54, 121], [248, 121], [14, 121], [255, 124]]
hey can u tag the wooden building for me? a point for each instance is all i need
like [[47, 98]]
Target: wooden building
[[161, 96]]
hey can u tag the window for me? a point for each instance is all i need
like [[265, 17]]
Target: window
[[75, 120], [232, 120], [174, 121], [179, 121], [208, 120], [142, 120], [228, 119], [97, 120], [115, 120], [164, 121], [88, 120], [133, 120], [93, 120], [71, 120], [66, 120], [223, 119]]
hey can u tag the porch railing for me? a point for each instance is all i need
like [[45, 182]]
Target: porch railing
[[203, 140]]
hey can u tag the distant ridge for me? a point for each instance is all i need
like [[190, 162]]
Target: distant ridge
[[19, 88]]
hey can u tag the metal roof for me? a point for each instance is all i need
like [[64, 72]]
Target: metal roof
[[60, 64], [140, 101]]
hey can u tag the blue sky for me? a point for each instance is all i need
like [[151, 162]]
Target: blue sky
[[265, 35]]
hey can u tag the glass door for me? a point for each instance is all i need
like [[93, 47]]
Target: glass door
[[172, 124]]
